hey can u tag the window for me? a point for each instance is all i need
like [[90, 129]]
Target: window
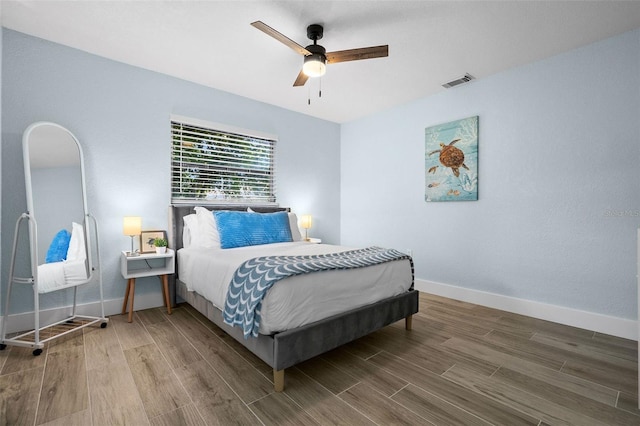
[[214, 163]]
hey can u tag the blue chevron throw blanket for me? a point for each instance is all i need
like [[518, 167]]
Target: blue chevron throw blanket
[[254, 277]]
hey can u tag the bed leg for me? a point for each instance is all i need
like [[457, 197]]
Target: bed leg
[[278, 380], [408, 322]]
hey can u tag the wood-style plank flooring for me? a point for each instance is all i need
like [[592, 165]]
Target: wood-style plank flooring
[[462, 364]]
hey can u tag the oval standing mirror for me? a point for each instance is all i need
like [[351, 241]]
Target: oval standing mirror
[[58, 221], [54, 174]]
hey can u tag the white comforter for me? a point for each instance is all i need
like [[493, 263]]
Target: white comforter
[[299, 300]]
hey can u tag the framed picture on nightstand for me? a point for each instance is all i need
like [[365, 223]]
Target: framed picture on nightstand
[[147, 238]]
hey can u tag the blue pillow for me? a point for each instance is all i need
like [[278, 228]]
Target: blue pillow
[[240, 229], [59, 246]]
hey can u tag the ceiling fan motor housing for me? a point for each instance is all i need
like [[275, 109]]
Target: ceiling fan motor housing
[[314, 64], [316, 49]]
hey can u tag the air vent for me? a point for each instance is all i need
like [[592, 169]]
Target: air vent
[[467, 78]]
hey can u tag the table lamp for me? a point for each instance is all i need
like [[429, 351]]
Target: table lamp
[[132, 226], [306, 222]]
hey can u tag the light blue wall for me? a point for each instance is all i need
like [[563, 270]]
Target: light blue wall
[[559, 182], [120, 114]]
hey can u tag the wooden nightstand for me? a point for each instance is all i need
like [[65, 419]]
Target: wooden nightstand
[[146, 265]]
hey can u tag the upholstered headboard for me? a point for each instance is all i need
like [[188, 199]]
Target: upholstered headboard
[[177, 212], [176, 223]]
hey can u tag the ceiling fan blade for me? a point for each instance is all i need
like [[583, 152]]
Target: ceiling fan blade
[[301, 79], [357, 54], [280, 37]]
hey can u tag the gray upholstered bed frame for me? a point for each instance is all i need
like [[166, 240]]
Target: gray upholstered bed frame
[[288, 348]]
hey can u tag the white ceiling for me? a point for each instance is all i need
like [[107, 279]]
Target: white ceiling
[[430, 42]]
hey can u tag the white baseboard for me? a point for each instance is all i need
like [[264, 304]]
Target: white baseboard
[[25, 320], [614, 326]]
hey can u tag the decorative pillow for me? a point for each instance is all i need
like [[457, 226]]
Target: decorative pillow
[[58, 248], [293, 224], [240, 229], [208, 231], [76, 250]]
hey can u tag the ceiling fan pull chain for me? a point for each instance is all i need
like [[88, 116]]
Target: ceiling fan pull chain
[[309, 95], [320, 89]]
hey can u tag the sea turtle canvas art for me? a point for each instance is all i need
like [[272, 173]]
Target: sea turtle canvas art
[[451, 161]]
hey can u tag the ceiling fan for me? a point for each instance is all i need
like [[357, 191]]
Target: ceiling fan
[[315, 56]]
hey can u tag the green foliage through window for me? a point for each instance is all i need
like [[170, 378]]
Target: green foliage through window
[[213, 165]]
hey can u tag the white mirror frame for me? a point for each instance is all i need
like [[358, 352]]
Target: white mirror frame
[[30, 203]]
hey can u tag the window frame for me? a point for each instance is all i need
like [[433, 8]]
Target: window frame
[[235, 138]]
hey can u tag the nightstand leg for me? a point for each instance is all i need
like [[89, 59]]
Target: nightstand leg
[[132, 293], [165, 292], [126, 297]]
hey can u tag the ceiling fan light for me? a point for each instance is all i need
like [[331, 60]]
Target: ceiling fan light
[[314, 65]]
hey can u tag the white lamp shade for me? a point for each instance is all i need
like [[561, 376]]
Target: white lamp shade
[[132, 225], [306, 221], [314, 65]]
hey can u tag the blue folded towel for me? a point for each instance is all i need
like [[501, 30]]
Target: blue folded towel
[[59, 246]]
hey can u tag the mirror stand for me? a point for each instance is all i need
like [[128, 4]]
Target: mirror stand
[[54, 175]]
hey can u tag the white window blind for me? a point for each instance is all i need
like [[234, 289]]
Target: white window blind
[[211, 164]]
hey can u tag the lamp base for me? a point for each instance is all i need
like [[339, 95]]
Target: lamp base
[[132, 253]]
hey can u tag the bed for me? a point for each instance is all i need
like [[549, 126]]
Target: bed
[[294, 337]]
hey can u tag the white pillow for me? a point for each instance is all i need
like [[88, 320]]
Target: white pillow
[[75, 272], [190, 232], [76, 250], [207, 229], [295, 230]]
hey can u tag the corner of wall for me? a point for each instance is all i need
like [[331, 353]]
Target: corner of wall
[[1, 30]]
